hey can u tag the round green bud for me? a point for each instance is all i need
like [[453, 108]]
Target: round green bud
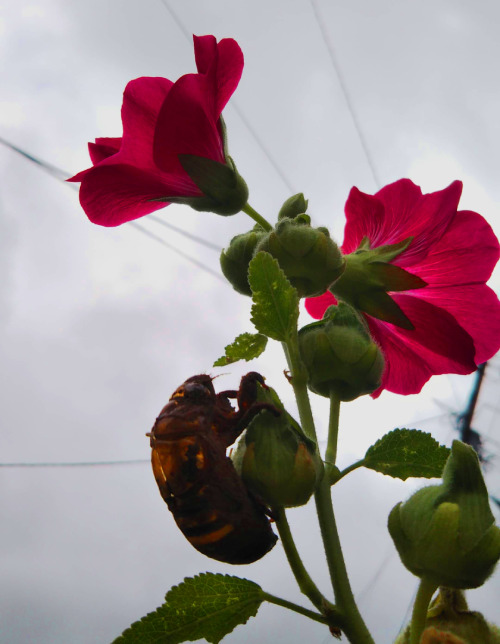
[[449, 621], [340, 355], [308, 256], [446, 533], [234, 259], [293, 206], [277, 462]]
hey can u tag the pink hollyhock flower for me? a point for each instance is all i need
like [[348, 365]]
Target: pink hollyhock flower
[[173, 147], [416, 268]]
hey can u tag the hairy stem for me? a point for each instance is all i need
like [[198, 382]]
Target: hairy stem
[[425, 592], [272, 599], [306, 584], [247, 209]]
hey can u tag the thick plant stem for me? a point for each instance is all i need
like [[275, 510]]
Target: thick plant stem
[[425, 592], [306, 584], [247, 209], [333, 430], [351, 621]]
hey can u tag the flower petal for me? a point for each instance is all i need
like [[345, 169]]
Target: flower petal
[[476, 309], [316, 306], [466, 253], [114, 194], [187, 125], [104, 148], [397, 212], [437, 345]]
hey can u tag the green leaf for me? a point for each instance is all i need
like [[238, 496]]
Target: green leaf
[[407, 452], [247, 346], [275, 308], [207, 606]]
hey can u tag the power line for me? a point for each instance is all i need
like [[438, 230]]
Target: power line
[[61, 175], [345, 92], [140, 461], [235, 106]]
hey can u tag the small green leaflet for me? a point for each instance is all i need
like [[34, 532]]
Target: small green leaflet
[[407, 452], [275, 308], [247, 346], [207, 606]]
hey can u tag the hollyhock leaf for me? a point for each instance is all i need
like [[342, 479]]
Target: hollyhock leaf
[[246, 346], [275, 308], [208, 606], [404, 453]]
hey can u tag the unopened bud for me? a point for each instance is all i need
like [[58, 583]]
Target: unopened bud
[[293, 206], [340, 355], [308, 256], [277, 462], [446, 533], [234, 259]]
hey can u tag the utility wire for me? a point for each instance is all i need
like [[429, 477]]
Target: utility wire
[[61, 175], [139, 461], [234, 104], [345, 92]]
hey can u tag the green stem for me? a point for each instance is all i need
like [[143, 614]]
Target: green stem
[[247, 208], [333, 429], [425, 592], [349, 469], [306, 584], [272, 599], [351, 621]]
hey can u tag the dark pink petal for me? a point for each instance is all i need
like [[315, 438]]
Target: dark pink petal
[[465, 254], [437, 345], [114, 194], [476, 308], [143, 99], [405, 371], [205, 51], [405, 213], [316, 306], [187, 125], [223, 63], [104, 148]]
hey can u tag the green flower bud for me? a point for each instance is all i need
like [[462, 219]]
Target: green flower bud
[[234, 260], [224, 189], [309, 258], [277, 462], [293, 206], [340, 355], [449, 621], [446, 533]]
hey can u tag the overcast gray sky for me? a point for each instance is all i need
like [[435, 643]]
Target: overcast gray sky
[[99, 326]]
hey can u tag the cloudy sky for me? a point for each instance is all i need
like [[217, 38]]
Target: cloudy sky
[[99, 326]]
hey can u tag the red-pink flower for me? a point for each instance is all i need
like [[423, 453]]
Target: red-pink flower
[[450, 321], [144, 170]]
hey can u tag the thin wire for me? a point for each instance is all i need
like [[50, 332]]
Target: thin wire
[[185, 233], [78, 464], [235, 106], [61, 175], [345, 92]]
